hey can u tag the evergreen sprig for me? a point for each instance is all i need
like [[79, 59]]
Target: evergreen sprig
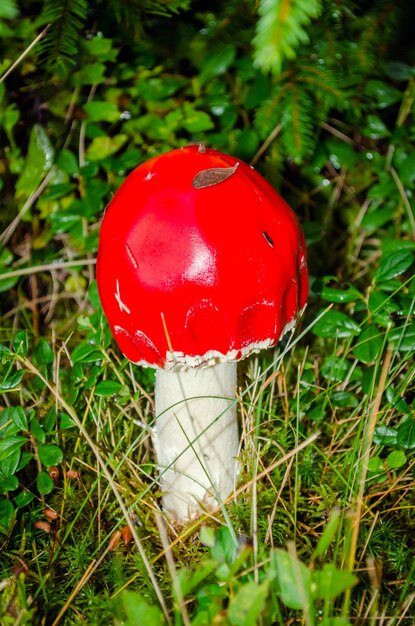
[[281, 29], [67, 18]]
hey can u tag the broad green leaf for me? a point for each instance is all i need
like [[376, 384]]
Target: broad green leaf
[[6, 514], [24, 498], [327, 289], [396, 459], [10, 483], [344, 399], [384, 94], [9, 445], [247, 604], [101, 111], [65, 422], [21, 342], [217, 63], [19, 417], [9, 466], [385, 436], [375, 128], [196, 121], [43, 352], [107, 387], [396, 401], [293, 579], [49, 454], [86, 353], [68, 162], [39, 160], [331, 582], [393, 264], [403, 337], [335, 369], [370, 344], [91, 74], [139, 613], [103, 147], [336, 324], [397, 70], [11, 381], [44, 483], [406, 434]]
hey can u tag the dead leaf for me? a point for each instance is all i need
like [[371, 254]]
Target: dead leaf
[[213, 176]]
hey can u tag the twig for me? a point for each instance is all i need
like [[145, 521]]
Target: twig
[[8, 232], [24, 53], [405, 200], [268, 141], [48, 267]]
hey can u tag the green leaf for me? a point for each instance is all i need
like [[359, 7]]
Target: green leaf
[[9, 466], [139, 613], [86, 353], [344, 399], [396, 459], [21, 343], [6, 514], [49, 454], [375, 128], [384, 94], [44, 483], [38, 162], [335, 324], [91, 74], [11, 381], [24, 498], [370, 344], [248, 603], [385, 436], [101, 111], [393, 264], [196, 121], [331, 582], [107, 388], [293, 579], [326, 290], [9, 483], [103, 147], [406, 434], [217, 62], [43, 352], [9, 445], [19, 417], [403, 337]]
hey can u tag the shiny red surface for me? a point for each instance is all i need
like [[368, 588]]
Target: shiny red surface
[[221, 268]]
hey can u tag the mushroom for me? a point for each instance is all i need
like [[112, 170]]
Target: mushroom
[[200, 263]]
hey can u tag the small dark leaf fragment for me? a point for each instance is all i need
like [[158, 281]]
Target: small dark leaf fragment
[[268, 238], [213, 176]]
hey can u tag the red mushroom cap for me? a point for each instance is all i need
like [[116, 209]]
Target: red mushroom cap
[[199, 260]]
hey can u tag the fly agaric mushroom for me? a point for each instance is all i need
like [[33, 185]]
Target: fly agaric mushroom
[[200, 263]]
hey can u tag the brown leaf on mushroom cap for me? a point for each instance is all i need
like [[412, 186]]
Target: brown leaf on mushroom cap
[[213, 176]]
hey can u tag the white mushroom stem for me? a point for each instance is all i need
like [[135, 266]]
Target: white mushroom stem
[[196, 438]]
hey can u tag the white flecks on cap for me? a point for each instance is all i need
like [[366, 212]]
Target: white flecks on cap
[[123, 307], [131, 257]]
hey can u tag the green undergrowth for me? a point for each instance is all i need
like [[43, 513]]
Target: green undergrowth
[[320, 529]]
